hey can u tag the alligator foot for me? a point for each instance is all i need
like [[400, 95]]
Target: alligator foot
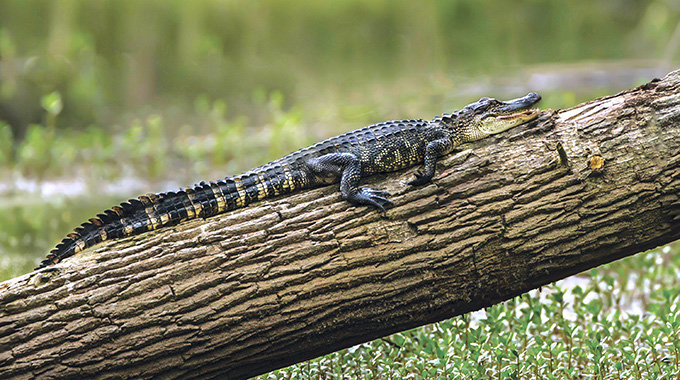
[[421, 179], [373, 197]]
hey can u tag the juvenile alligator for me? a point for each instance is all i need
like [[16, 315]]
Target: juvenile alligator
[[377, 148]]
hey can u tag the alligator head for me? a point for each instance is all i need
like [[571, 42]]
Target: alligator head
[[489, 116], [492, 116]]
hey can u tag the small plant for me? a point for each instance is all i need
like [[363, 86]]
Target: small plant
[[34, 154], [53, 105], [287, 133], [6, 147], [145, 146]]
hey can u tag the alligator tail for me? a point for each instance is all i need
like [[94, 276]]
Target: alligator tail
[[153, 211]]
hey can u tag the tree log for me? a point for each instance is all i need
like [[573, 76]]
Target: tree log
[[307, 274]]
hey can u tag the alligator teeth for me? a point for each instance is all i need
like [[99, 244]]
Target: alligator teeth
[[517, 114]]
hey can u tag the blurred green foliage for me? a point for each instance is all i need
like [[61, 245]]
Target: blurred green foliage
[[35, 152], [190, 81], [108, 58], [6, 144], [30, 226]]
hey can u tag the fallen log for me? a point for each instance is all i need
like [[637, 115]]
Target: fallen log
[[307, 274]]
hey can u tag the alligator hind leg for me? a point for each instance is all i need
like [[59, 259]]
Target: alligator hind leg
[[348, 167]]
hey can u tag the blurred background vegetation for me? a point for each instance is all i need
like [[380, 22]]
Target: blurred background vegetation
[[98, 84], [101, 100]]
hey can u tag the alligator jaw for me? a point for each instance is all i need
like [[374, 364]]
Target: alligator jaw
[[505, 115], [532, 112]]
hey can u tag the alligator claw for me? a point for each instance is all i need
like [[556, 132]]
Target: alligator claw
[[372, 197], [381, 193], [421, 179]]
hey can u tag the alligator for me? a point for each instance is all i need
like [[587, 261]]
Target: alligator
[[378, 148]]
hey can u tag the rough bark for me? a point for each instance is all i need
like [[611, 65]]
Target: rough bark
[[303, 275]]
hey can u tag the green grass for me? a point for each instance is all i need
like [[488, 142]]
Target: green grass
[[622, 321]]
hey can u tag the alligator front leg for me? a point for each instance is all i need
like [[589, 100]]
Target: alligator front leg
[[433, 150], [348, 167]]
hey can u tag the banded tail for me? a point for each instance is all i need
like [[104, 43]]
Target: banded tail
[[154, 211]]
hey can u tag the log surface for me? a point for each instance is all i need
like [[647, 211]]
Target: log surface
[[303, 275]]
